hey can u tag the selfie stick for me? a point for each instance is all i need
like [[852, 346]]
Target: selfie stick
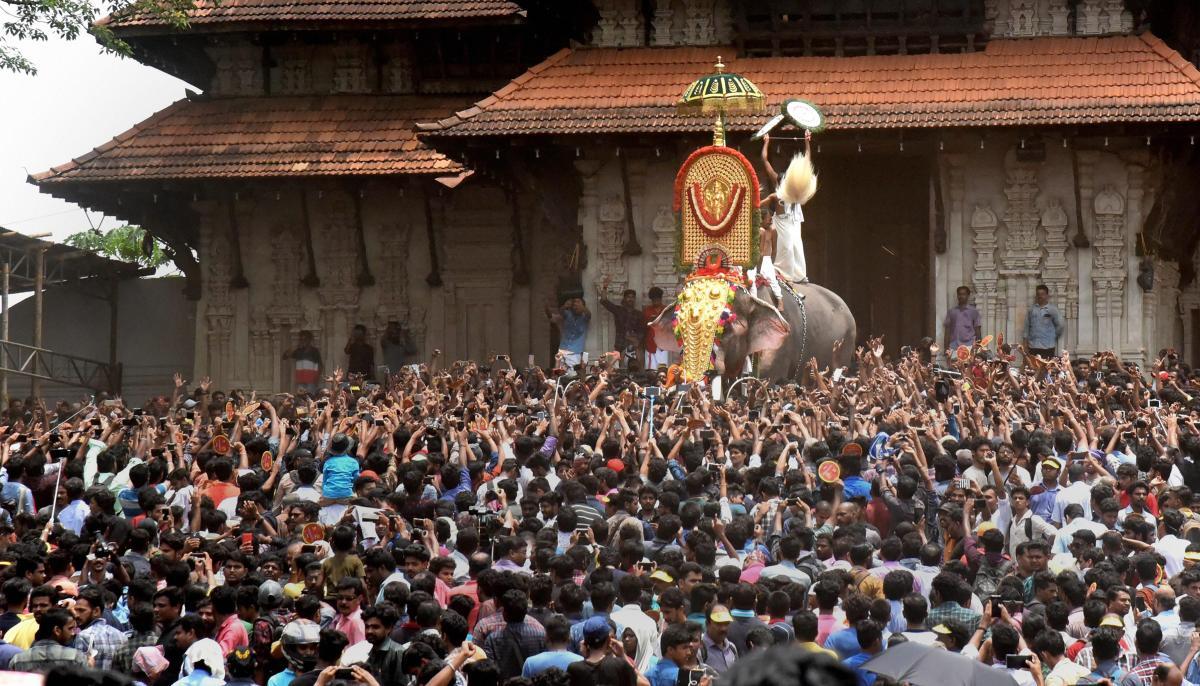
[[57, 481]]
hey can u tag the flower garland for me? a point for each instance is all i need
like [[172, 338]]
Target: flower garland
[[715, 226]]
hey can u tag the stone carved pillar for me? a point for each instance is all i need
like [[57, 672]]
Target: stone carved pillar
[[338, 294], [219, 309], [1087, 17], [1114, 18], [1086, 344], [1023, 18], [1056, 272], [1166, 319], [1022, 253], [1189, 301], [723, 22], [1134, 341], [260, 373], [1108, 267], [1057, 22], [620, 24], [286, 315], [699, 22], [666, 276], [985, 278], [953, 270], [392, 281], [664, 17]]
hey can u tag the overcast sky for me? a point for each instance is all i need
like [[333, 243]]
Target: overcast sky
[[79, 99]]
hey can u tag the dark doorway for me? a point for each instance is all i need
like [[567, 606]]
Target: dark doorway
[[866, 237]]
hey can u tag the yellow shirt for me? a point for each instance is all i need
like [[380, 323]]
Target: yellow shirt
[[812, 647], [22, 634]]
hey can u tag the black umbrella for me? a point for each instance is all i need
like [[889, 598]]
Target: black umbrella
[[922, 665]]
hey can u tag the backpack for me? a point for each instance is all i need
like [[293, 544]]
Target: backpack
[[266, 630]]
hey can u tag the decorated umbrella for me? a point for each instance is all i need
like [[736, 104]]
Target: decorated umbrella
[[720, 94]]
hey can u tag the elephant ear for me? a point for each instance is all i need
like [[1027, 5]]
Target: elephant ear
[[664, 333], [768, 328]]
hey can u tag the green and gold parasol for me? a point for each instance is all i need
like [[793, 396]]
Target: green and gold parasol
[[720, 94]]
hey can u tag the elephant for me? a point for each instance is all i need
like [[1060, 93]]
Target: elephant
[[783, 337]]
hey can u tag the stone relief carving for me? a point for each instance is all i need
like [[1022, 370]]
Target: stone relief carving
[[398, 72], [337, 258], [393, 274], [1022, 18], [1087, 17], [620, 23], [1058, 23], [1108, 250], [699, 22], [663, 20], [984, 278], [1054, 223], [287, 262], [350, 69], [665, 275], [294, 70], [239, 70], [1022, 251], [612, 241]]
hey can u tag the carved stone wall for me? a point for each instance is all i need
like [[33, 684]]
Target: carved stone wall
[[1030, 242], [986, 277], [1027, 18], [1022, 255], [238, 70], [1108, 266], [620, 25]]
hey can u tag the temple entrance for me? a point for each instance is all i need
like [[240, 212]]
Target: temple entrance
[[866, 237]]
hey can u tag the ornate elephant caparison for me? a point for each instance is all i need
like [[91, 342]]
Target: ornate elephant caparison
[[717, 321]]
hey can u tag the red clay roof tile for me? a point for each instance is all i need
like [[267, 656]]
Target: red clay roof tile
[[1041, 81], [227, 12], [265, 137]]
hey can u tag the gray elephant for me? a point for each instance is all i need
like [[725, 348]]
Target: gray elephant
[[785, 338]]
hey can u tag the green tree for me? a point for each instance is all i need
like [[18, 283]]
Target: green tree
[[126, 243], [41, 19]]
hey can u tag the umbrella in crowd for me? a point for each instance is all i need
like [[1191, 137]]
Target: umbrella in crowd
[[922, 665]]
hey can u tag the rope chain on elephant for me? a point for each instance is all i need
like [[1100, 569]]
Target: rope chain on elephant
[[803, 318]]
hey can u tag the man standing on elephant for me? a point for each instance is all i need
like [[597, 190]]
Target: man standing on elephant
[[961, 326], [1043, 325]]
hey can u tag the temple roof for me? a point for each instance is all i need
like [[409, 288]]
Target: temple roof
[[287, 14], [301, 136], [1012, 82]]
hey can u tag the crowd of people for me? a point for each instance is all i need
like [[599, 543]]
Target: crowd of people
[[478, 524]]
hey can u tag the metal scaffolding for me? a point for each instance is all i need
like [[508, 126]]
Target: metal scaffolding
[[28, 263]]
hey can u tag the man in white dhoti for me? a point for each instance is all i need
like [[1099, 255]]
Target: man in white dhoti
[[798, 185]]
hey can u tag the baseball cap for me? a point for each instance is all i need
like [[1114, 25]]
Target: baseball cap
[[942, 629], [368, 474], [721, 617], [616, 465], [660, 575], [1051, 462], [596, 629], [189, 404], [270, 595], [1112, 620]]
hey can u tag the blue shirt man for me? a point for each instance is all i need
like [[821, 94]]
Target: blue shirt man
[[1043, 324], [340, 470]]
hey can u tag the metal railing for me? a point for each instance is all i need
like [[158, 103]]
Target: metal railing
[[39, 363]]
